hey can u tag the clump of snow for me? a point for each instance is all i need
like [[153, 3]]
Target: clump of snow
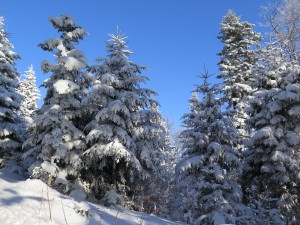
[[72, 63], [65, 86], [112, 198], [82, 208], [189, 163]]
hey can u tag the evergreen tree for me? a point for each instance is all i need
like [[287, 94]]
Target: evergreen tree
[[167, 125], [10, 132], [31, 95], [271, 172], [125, 137], [206, 189], [56, 142], [237, 58]]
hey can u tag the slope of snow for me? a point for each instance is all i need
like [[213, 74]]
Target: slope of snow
[[31, 202]]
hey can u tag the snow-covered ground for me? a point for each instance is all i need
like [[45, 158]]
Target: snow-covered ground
[[31, 202]]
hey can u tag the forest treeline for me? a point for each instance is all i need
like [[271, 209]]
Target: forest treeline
[[99, 134]]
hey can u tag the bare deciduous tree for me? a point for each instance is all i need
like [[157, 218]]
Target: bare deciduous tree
[[283, 20]]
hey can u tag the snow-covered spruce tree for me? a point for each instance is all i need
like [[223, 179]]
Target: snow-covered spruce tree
[[173, 154], [237, 58], [125, 138], [206, 191], [271, 174], [10, 132], [56, 142], [31, 95], [167, 125]]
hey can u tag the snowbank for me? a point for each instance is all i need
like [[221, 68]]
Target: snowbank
[[31, 202]]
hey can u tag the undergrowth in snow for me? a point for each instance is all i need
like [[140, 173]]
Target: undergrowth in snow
[[32, 202]]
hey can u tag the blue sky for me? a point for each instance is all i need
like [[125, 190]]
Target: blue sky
[[173, 38]]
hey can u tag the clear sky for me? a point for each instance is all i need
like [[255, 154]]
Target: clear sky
[[173, 38]]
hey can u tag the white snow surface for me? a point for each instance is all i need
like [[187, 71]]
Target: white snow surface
[[65, 86], [30, 202]]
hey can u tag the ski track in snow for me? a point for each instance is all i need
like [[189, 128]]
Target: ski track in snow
[[27, 202]]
